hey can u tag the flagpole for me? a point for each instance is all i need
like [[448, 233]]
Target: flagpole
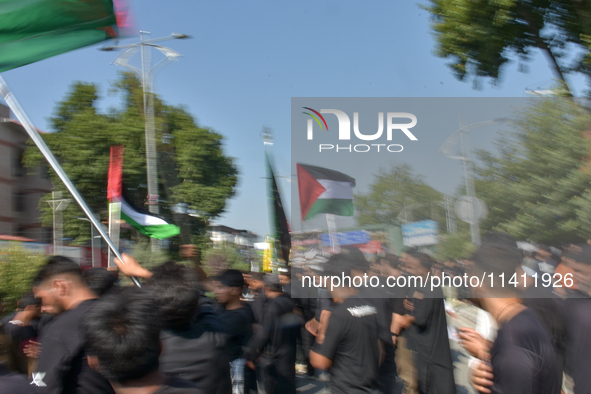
[[9, 98], [332, 232]]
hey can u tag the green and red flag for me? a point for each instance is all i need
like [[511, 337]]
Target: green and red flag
[[279, 225], [142, 220], [324, 191], [33, 30]]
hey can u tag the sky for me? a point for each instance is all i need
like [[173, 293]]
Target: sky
[[246, 60]]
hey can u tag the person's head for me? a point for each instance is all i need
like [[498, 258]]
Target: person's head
[[355, 260], [417, 263], [175, 289], [272, 286], [122, 335], [59, 284], [498, 255], [285, 275], [99, 280], [578, 257], [29, 303], [543, 252], [229, 286], [391, 265]]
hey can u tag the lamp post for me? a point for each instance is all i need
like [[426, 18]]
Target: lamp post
[[462, 134], [146, 74]]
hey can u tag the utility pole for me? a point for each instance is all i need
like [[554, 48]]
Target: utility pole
[[58, 205]]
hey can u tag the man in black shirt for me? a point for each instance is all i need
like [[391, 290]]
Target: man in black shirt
[[350, 348], [237, 319], [62, 367], [190, 349], [275, 340], [522, 358], [121, 334], [428, 332]]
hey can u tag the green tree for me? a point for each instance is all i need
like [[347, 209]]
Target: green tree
[[393, 191], [218, 259], [480, 36], [538, 187], [17, 270], [193, 168]]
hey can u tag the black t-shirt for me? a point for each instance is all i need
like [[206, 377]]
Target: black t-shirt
[[197, 355], [578, 341], [14, 383], [174, 385], [238, 325], [62, 367], [351, 341], [523, 358]]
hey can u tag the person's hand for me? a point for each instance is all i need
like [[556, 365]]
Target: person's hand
[[472, 341], [130, 267], [408, 305], [481, 376], [250, 365], [32, 349], [395, 339], [312, 326], [406, 321]]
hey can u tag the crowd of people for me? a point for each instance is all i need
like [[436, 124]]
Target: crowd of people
[[245, 332]]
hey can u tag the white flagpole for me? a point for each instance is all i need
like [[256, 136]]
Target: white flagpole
[[9, 98], [332, 233]]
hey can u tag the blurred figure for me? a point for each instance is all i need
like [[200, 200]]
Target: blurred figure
[[428, 331], [99, 280], [522, 358], [350, 348], [62, 366], [14, 383], [189, 348], [275, 340], [121, 334], [546, 262], [237, 319], [578, 319]]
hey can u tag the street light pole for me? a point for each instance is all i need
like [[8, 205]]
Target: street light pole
[[470, 192], [146, 74]]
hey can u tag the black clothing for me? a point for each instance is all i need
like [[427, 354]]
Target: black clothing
[[523, 358], [197, 355], [238, 326], [276, 340], [258, 304], [174, 385], [62, 365], [14, 383], [429, 338], [578, 341], [547, 308], [351, 342]]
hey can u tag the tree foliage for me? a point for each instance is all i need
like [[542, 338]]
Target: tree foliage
[[17, 270], [480, 36], [538, 187], [218, 259], [192, 166], [392, 191]]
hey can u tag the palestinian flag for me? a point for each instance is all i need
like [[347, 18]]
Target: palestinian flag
[[141, 219], [324, 191], [33, 30], [279, 225]]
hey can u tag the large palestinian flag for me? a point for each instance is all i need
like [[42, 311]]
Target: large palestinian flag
[[142, 220], [324, 191]]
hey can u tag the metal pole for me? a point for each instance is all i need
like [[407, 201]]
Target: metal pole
[[9, 98], [474, 230], [151, 164]]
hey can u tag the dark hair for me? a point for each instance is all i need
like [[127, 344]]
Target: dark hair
[[425, 260], [231, 278], [392, 260], [99, 280], [175, 288], [28, 299], [122, 330], [498, 254], [257, 275], [57, 265], [272, 282]]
